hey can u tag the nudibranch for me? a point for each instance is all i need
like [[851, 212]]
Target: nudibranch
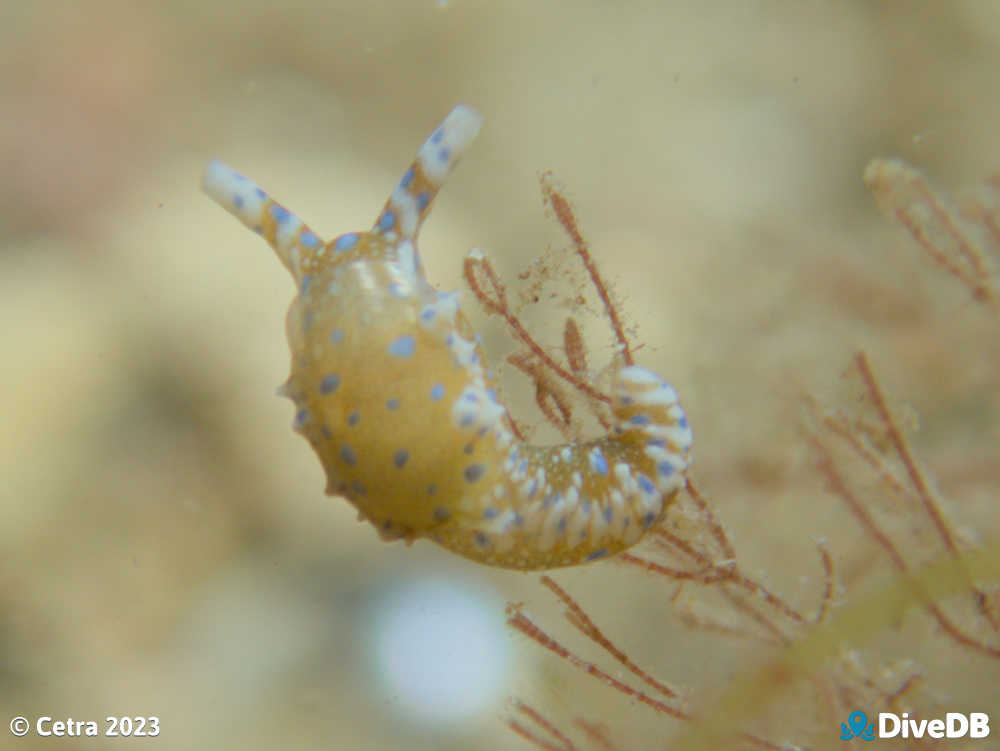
[[391, 390]]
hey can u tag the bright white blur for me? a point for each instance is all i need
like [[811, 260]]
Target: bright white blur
[[441, 651]]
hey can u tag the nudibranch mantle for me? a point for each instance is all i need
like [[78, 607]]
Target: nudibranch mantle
[[391, 391]]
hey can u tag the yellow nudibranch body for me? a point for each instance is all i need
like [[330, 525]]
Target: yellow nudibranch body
[[392, 392]]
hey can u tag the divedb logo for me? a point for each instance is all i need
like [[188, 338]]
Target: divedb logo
[[890, 725]]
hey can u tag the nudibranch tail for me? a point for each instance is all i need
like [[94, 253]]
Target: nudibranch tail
[[290, 237], [411, 200], [544, 507], [392, 392]]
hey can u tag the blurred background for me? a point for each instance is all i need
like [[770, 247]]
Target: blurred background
[[165, 543]]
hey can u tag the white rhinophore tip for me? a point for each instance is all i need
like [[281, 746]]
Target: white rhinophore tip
[[237, 194], [442, 150]]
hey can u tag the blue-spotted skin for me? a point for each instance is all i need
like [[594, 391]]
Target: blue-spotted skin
[[391, 390]]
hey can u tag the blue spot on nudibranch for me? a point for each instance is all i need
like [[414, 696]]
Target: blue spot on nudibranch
[[345, 242], [396, 289], [348, 455], [561, 524], [392, 403], [609, 514], [648, 519], [597, 554], [640, 420], [301, 418], [646, 484], [482, 540], [473, 472], [260, 194], [598, 462], [666, 468], [309, 239], [400, 457], [444, 155], [353, 418], [658, 442], [238, 201], [441, 513], [280, 214], [437, 136], [329, 383], [437, 392], [683, 422], [306, 282], [427, 314], [422, 200], [407, 178], [386, 221], [490, 513], [337, 336], [403, 346]]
